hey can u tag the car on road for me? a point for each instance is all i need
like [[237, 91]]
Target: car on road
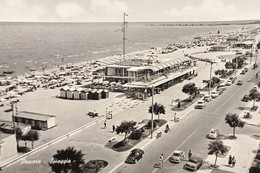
[[243, 72], [194, 163], [246, 69], [233, 79], [213, 133], [214, 94], [200, 105], [177, 156], [246, 98], [228, 83], [221, 87], [207, 98], [240, 82], [135, 155]]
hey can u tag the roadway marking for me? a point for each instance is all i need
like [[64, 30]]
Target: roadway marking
[[226, 100], [177, 148]]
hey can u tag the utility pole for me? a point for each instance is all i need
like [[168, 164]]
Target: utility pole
[[12, 105], [152, 114], [124, 33], [210, 73], [236, 67]]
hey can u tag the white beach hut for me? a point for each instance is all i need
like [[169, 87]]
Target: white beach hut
[[70, 93], [63, 92]]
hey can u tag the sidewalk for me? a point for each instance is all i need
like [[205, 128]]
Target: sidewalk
[[243, 148]]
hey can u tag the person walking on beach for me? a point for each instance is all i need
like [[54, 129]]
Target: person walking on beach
[[114, 128], [229, 160], [105, 124], [189, 154], [233, 161], [161, 161]]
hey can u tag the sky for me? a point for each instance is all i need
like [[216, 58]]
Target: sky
[[137, 10]]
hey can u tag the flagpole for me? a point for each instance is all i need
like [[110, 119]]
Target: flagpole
[[124, 37]]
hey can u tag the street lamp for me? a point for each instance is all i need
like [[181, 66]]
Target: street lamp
[[152, 114], [210, 73]]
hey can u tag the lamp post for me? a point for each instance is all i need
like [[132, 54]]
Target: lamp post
[[152, 114], [236, 67], [210, 73]]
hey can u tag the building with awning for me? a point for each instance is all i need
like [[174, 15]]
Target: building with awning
[[137, 74]]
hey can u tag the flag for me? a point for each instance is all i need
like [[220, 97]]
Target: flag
[[125, 14]]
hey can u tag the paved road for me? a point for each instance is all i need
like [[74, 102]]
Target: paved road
[[191, 132]]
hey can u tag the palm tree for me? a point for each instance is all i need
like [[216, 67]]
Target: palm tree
[[234, 121], [217, 148], [190, 89], [157, 109], [72, 161]]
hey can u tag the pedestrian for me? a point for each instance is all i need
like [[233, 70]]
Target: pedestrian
[[233, 161], [161, 161], [229, 160], [105, 124], [114, 128], [189, 154], [167, 128]]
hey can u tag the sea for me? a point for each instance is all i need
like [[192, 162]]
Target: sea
[[36, 45]]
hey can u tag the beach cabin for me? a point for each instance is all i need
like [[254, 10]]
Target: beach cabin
[[105, 94], [77, 93], [84, 93], [70, 93], [63, 92], [97, 95], [36, 120], [91, 94]]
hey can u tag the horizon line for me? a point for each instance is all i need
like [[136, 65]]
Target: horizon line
[[196, 21]]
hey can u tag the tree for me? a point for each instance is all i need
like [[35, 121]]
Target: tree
[[217, 148], [190, 89], [68, 160], [234, 121], [126, 127], [32, 136], [254, 94], [18, 135], [258, 45], [230, 65], [157, 109]]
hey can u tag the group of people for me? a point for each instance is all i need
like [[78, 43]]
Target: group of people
[[231, 161]]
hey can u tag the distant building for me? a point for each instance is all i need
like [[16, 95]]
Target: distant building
[[245, 45], [219, 48], [36, 120]]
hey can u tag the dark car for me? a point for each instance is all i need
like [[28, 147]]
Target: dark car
[[135, 155], [8, 110], [246, 98], [194, 163], [93, 114]]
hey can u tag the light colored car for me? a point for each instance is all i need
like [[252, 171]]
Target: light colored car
[[240, 82], [207, 98], [194, 163], [177, 156], [214, 94], [214, 133], [228, 83], [200, 105]]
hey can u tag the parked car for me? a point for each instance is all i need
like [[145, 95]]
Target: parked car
[[240, 82], [214, 94], [243, 72], [135, 155], [233, 79], [194, 163], [93, 114], [8, 110], [246, 69], [228, 83], [221, 87], [246, 98], [200, 105], [207, 98], [213, 133], [177, 156]]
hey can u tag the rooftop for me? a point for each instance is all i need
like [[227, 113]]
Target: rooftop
[[34, 116]]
